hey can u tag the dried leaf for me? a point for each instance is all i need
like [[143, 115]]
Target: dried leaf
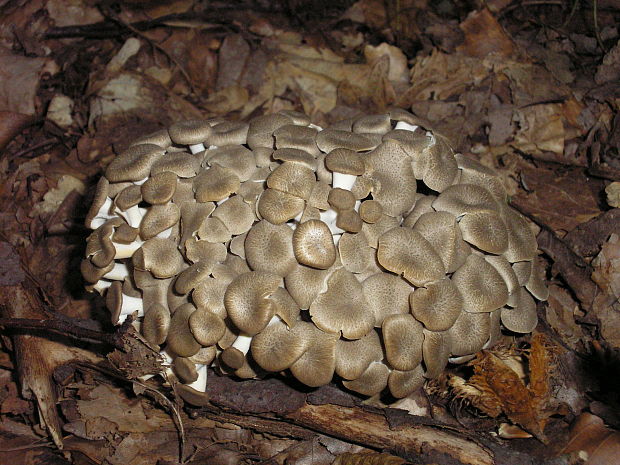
[[372, 458], [588, 433]]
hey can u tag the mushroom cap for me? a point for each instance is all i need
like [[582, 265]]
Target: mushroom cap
[[183, 164], [370, 211], [214, 230], [503, 267], [438, 305], [161, 138], [346, 161], [406, 252], [297, 117], [236, 214], [304, 284], [485, 230], [349, 220], [465, 198], [341, 199], [402, 337], [372, 381], [354, 357], [317, 364], [372, 124], [355, 253], [156, 323], [269, 247], [535, 284], [158, 218], [441, 230], [234, 157], [134, 164], [197, 250], [319, 195], [482, 287], [297, 137], [159, 256], [343, 307], [278, 207], [180, 340], [215, 184], [295, 155], [313, 245], [330, 139], [435, 352], [422, 205], [260, 133], [469, 333], [387, 295], [521, 240], [247, 300], [207, 327], [100, 249], [209, 295], [101, 195], [403, 383], [441, 167], [233, 357], [394, 185], [128, 197], [159, 188], [473, 172], [229, 133], [292, 178], [278, 346], [523, 317], [192, 276], [191, 132], [185, 370]]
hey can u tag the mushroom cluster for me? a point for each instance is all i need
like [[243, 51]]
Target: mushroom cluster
[[369, 250]]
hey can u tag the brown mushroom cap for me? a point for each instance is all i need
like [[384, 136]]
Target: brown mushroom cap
[[465, 198], [354, 357], [161, 138], [207, 327], [156, 323], [522, 318], [370, 211], [403, 383], [158, 218], [355, 253], [441, 167], [372, 381], [297, 117], [278, 207], [482, 287], [441, 230], [99, 247], [180, 340], [343, 308], [330, 139], [134, 164], [349, 220], [485, 230], [406, 252], [317, 364], [269, 247], [99, 200], [346, 161], [341, 199], [278, 346], [469, 333], [292, 178], [521, 240], [185, 370], [394, 185], [313, 245], [535, 284], [215, 184], [247, 300], [214, 230], [183, 164], [438, 305], [304, 284], [229, 133], [295, 155], [234, 157], [387, 295], [192, 276], [236, 214], [190, 132], [435, 352], [402, 337], [128, 197], [159, 256], [159, 188], [260, 133], [296, 137], [372, 124]]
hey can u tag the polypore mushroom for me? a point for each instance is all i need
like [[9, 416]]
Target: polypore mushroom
[[279, 246]]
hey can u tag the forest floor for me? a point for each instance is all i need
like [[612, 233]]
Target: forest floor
[[529, 88]]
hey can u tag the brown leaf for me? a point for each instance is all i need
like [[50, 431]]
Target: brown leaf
[[484, 35], [588, 433], [372, 458], [11, 124]]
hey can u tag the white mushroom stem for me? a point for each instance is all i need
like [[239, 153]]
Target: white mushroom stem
[[314, 126], [343, 181], [406, 126], [141, 181], [102, 215], [130, 305], [329, 218], [118, 273], [166, 371], [101, 285], [126, 250], [211, 147], [133, 215], [201, 383], [165, 234], [196, 148], [242, 343], [431, 138]]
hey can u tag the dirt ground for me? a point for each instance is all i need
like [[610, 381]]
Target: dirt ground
[[528, 88]]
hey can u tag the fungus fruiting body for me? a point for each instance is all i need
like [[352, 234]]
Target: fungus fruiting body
[[368, 250]]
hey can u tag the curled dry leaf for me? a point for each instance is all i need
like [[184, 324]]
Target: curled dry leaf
[[372, 458], [590, 434]]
